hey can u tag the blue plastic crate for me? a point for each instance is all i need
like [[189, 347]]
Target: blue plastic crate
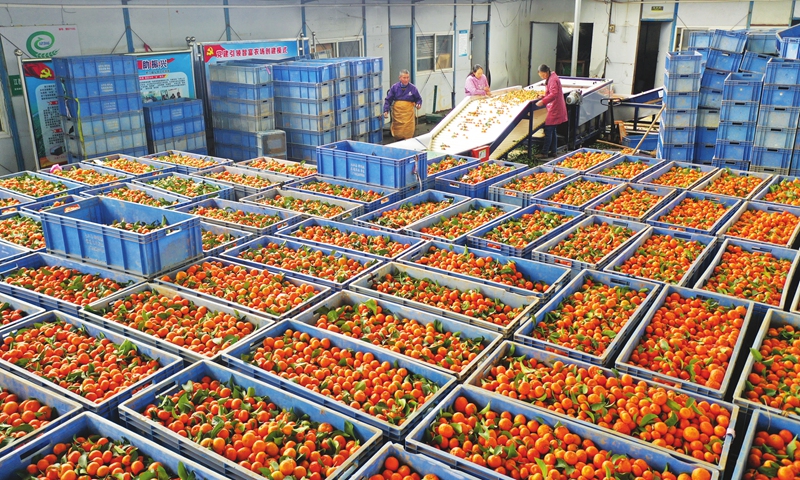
[[738, 111], [36, 207], [487, 338], [250, 72], [730, 203], [700, 39], [242, 190], [733, 150], [691, 272], [710, 98], [541, 253], [724, 61], [167, 201], [320, 292], [72, 188], [375, 80], [753, 62], [98, 145], [416, 462], [301, 153], [375, 95], [606, 358], [444, 381], [686, 385], [418, 442], [81, 231], [239, 91], [682, 83], [778, 117], [559, 162], [341, 102], [706, 135], [84, 88], [389, 195], [311, 91], [762, 41], [771, 157], [379, 165], [743, 165], [94, 313], [680, 118], [169, 364], [415, 229], [244, 124], [304, 107], [376, 136], [361, 113], [666, 194], [176, 128], [476, 238], [762, 420], [763, 207], [789, 42], [132, 415], [543, 195], [236, 137], [313, 123], [350, 209], [343, 116], [86, 425], [103, 124], [9, 253], [736, 131], [360, 130], [251, 108], [136, 152], [769, 137], [743, 87], [286, 219], [341, 86], [22, 214], [310, 138], [305, 72], [546, 359], [370, 264], [37, 260], [370, 220], [781, 96], [782, 71], [525, 304], [714, 79], [729, 40], [237, 237], [21, 200], [359, 98], [703, 52], [650, 178], [95, 66], [677, 152], [704, 153], [341, 67], [94, 106], [681, 101], [449, 182], [361, 82], [155, 168], [683, 63], [195, 142], [224, 191]]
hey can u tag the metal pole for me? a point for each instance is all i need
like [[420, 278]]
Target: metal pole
[[576, 29]]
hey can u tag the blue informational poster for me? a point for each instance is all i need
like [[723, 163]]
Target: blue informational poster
[[40, 89], [166, 75]]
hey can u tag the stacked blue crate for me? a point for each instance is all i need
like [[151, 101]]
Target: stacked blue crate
[[677, 130], [306, 105], [776, 129], [242, 108], [340, 103], [741, 95], [100, 106], [176, 125]]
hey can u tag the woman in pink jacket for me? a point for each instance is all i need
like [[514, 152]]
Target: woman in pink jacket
[[556, 109], [476, 83]]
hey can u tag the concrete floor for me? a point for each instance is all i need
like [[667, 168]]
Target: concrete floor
[[422, 129]]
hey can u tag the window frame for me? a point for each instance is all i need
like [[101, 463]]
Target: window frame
[[436, 54], [336, 41]]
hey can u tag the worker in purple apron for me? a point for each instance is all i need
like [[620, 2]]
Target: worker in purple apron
[[402, 99], [556, 110], [477, 84]]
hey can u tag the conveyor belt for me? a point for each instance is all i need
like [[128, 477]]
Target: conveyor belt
[[519, 134]]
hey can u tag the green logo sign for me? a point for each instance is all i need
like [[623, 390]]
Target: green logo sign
[[40, 44]]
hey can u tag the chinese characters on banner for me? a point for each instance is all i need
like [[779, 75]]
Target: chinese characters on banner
[[166, 76], [48, 134]]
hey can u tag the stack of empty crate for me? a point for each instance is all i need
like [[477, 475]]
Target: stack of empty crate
[[243, 110], [677, 129], [305, 106], [100, 106], [761, 47], [776, 130], [741, 95], [176, 125], [343, 114], [366, 95]]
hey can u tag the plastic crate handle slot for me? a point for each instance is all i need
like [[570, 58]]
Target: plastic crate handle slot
[[11, 269], [494, 246], [26, 452]]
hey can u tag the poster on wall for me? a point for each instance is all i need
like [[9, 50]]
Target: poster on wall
[[275, 50], [165, 75], [42, 104]]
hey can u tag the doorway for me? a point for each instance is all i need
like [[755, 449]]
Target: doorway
[[544, 44], [399, 52], [647, 53], [480, 48], [566, 32]]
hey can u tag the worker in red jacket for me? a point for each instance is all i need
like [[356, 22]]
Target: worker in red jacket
[[556, 109]]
